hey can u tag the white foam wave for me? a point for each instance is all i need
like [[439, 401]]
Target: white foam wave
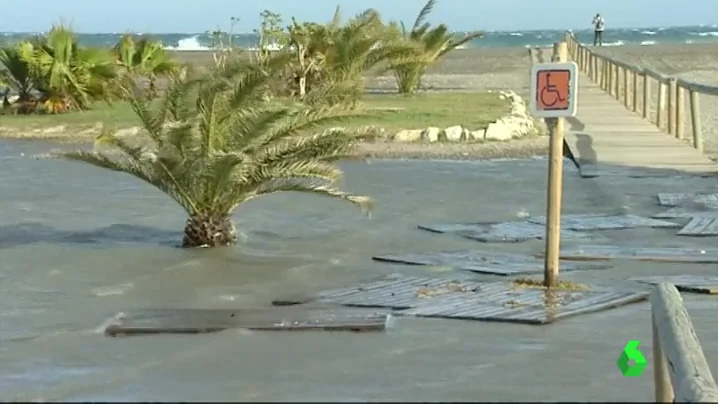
[[516, 34], [189, 44], [615, 43], [648, 32], [712, 33], [648, 43]]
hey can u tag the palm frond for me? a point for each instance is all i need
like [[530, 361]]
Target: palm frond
[[423, 14]]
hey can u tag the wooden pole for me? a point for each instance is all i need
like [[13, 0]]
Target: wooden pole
[[555, 188], [696, 121], [646, 96], [680, 112]]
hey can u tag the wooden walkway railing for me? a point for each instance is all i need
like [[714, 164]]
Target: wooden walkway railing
[[681, 372], [623, 81]]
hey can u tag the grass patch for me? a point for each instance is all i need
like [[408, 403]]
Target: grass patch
[[538, 284], [393, 112]]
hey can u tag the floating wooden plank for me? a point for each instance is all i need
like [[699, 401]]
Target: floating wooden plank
[[666, 254], [482, 301], [678, 199], [680, 212], [685, 213], [195, 321], [701, 227], [585, 222], [485, 262], [685, 283], [500, 232]]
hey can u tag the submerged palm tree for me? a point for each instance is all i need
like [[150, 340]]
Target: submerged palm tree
[[431, 44], [213, 144]]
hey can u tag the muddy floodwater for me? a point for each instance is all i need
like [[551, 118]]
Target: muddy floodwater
[[78, 245]]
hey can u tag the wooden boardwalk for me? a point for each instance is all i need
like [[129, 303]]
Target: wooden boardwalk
[[605, 138]]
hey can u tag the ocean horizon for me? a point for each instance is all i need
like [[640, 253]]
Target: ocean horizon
[[698, 34]]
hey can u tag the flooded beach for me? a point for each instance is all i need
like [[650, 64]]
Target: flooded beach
[[80, 245]]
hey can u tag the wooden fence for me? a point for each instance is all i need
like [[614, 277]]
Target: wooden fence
[[681, 372], [632, 85]]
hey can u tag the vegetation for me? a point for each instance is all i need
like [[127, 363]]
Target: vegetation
[[538, 283], [219, 146], [391, 112], [428, 43], [52, 74]]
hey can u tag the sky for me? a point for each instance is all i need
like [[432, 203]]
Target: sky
[[185, 16]]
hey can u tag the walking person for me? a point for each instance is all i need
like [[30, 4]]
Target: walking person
[[598, 24]]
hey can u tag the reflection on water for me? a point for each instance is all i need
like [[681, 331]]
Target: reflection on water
[[80, 244]]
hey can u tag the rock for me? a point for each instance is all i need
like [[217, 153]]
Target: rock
[[498, 131], [454, 133], [54, 130], [408, 135], [477, 134], [431, 134], [133, 131], [93, 131]]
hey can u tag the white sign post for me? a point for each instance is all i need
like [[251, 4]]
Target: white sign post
[[554, 91]]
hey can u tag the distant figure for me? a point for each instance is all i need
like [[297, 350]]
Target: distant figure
[[598, 24]]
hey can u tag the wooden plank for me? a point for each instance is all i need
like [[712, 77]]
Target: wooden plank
[[485, 262], [690, 374], [499, 232], [680, 212], [685, 283], [483, 301], [195, 321], [678, 199], [585, 222], [666, 254], [701, 227]]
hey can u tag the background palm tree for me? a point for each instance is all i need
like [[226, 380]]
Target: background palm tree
[[431, 45], [68, 75], [15, 75], [213, 144], [144, 58]]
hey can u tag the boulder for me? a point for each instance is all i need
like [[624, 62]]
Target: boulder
[[498, 131], [431, 134], [54, 130], [408, 135], [454, 133], [133, 131], [477, 134]]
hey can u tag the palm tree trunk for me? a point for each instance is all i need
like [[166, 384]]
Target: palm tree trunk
[[209, 230]]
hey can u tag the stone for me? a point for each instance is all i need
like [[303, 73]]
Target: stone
[[431, 134], [477, 134], [498, 131], [408, 135], [54, 130], [133, 131], [454, 133]]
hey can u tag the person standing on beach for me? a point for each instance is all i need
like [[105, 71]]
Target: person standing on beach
[[598, 30]]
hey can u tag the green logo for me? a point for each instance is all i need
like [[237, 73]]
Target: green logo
[[631, 353]]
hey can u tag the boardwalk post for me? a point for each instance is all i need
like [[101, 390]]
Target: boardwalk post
[[646, 96], [661, 109], [696, 121], [634, 101], [671, 106], [680, 111]]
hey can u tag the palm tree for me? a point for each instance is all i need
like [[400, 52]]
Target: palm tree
[[146, 58], [343, 53], [69, 76], [15, 74], [432, 44], [213, 144]]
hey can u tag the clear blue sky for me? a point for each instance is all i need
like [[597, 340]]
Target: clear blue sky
[[182, 16]]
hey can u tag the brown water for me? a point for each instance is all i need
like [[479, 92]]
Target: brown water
[[78, 245]]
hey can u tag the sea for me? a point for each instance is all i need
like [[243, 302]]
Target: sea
[[699, 34]]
